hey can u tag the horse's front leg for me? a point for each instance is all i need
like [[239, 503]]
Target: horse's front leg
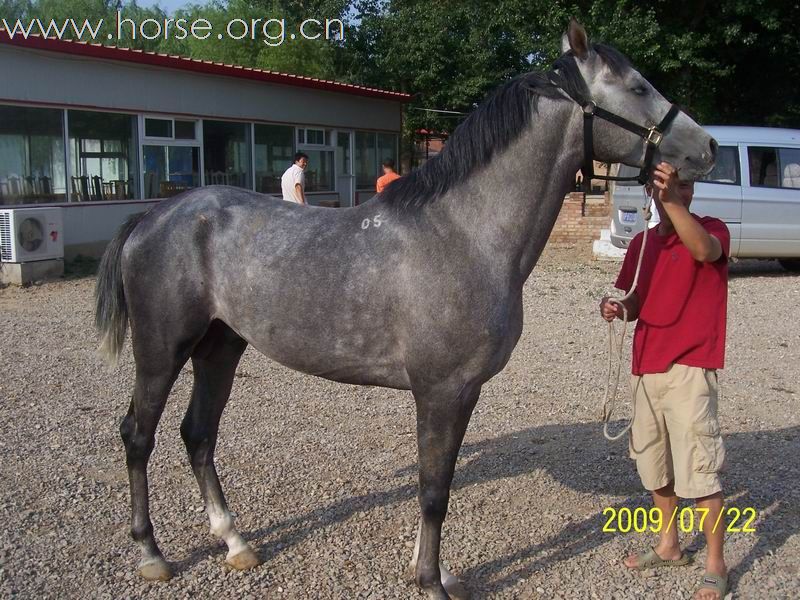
[[443, 412]]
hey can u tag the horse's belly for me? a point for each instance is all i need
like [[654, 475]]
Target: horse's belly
[[319, 347]]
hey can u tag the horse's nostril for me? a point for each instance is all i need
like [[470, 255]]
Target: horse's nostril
[[714, 146]]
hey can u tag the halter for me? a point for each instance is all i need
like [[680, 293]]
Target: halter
[[652, 136]]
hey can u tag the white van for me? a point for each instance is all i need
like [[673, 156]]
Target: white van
[[754, 188]]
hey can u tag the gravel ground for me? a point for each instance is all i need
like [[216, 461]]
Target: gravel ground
[[322, 475]]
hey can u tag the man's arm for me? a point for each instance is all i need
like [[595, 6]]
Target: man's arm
[[703, 246], [299, 189]]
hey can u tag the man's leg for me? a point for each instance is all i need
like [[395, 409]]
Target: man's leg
[[715, 538], [649, 447], [668, 547]]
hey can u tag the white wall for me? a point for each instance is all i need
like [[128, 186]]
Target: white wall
[[88, 227]]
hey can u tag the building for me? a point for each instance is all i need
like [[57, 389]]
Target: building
[[105, 132]]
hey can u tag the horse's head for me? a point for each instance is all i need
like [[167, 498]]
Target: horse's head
[[615, 86]]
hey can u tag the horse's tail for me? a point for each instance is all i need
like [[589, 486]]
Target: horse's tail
[[111, 309]]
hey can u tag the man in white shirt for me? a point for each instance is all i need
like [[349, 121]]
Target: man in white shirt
[[293, 182]]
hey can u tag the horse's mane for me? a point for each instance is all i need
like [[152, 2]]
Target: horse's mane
[[493, 126]]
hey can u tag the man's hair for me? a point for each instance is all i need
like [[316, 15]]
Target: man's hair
[[299, 155], [388, 163]]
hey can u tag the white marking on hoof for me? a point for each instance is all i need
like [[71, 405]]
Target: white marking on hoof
[[155, 569], [243, 560], [455, 589]]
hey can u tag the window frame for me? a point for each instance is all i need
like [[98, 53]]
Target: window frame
[[737, 164]]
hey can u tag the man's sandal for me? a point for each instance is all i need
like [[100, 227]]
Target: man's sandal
[[714, 583], [651, 560]]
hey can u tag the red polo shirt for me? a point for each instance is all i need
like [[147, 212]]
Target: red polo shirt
[[683, 302]]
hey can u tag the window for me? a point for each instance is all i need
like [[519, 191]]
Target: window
[[763, 167], [185, 130], [316, 137], [371, 150], [366, 160], [102, 155], [790, 167], [726, 169], [32, 157], [319, 172], [387, 149], [226, 153], [274, 151], [170, 170], [158, 128], [343, 156]]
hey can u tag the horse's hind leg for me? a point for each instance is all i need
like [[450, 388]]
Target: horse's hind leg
[[138, 433], [214, 361], [443, 413]]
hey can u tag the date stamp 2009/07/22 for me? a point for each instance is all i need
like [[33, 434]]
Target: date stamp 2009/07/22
[[687, 519]]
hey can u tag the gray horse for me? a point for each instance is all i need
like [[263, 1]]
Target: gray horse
[[422, 285]]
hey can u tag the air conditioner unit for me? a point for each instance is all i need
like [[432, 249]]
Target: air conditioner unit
[[31, 234]]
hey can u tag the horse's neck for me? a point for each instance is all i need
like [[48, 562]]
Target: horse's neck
[[509, 207]]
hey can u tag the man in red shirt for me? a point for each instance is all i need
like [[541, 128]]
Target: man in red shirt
[[679, 343]]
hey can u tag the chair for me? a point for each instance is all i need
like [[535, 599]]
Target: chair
[[80, 188], [170, 188], [216, 178], [791, 176], [15, 185], [97, 188], [29, 186]]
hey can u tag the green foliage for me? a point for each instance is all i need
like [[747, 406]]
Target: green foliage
[[730, 61]]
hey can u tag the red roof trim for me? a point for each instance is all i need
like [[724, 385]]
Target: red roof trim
[[196, 65]]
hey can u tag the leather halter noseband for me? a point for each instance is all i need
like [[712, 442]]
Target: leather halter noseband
[[652, 136]]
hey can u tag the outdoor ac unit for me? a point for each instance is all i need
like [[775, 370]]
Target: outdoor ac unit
[[31, 234]]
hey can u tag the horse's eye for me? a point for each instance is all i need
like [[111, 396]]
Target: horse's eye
[[639, 90]]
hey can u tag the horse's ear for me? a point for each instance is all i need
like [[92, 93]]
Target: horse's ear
[[576, 40]]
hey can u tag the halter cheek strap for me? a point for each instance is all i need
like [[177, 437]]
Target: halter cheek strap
[[652, 138]]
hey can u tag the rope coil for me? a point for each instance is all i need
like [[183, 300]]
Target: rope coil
[[610, 398]]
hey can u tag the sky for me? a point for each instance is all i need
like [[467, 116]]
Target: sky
[[167, 5]]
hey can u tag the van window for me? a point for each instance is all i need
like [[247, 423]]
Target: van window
[[726, 169], [763, 167], [790, 167]]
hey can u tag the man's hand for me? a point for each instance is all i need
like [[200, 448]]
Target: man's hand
[[667, 184], [610, 310]]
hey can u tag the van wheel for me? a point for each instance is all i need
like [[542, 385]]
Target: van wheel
[[790, 264]]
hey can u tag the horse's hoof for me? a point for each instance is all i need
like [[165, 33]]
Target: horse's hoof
[[155, 569], [455, 589], [436, 594], [246, 559]]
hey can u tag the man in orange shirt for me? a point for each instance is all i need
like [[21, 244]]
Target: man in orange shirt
[[389, 175]]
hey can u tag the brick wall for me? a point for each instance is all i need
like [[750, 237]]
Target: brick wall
[[580, 220]]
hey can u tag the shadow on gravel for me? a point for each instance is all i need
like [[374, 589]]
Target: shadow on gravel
[[761, 468]]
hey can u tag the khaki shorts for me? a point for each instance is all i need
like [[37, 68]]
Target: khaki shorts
[[675, 434]]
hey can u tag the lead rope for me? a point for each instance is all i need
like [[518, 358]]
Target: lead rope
[[610, 399]]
